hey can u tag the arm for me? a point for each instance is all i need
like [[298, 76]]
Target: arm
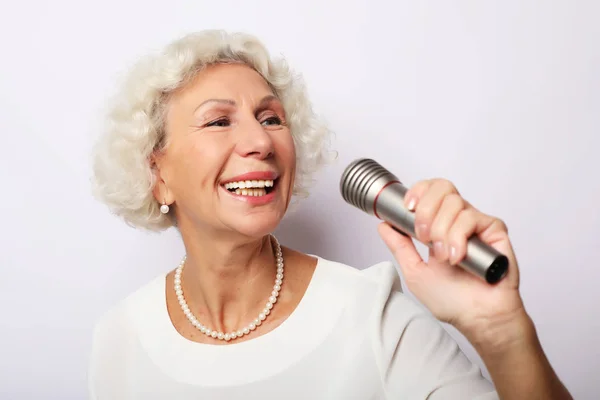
[[492, 317], [516, 361]]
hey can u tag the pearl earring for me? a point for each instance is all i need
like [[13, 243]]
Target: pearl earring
[[164, 209]]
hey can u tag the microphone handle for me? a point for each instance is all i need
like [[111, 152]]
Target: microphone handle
[[481, 259]]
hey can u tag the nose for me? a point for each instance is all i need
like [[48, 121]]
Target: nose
[[254, 141]]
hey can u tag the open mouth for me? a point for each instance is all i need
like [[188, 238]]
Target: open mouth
[[253, 188]]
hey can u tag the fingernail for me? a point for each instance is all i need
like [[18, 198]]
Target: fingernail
[[452, 254], [438, 248], [411, 204]]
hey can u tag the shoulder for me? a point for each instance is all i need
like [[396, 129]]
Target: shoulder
[[376, 286], [117, 326]]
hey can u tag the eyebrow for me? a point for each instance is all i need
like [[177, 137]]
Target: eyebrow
[[263, 103], [266, 100]]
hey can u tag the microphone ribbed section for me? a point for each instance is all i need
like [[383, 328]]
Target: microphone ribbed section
[[368, 186], [358, 178]]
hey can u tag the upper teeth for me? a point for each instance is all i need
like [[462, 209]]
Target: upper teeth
[[249, 184]]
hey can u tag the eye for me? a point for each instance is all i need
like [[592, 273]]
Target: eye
[[272, 121], [221, 122]]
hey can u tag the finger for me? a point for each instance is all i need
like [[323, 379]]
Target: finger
[[464, 226], [428, 206], [414, 193], [491, 228], [403, 249], [451, 207], [412, 196]]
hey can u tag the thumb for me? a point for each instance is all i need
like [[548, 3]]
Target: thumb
[[403, 249]]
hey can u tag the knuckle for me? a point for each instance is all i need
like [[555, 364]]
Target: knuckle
[[469, 216], [419, 188], [501, 224], [465, 222], [455, 201], [446, 185]]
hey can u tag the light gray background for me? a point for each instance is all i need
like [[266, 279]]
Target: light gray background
[[501, 97]]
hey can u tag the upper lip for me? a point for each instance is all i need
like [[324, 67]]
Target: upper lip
[[252, 176]]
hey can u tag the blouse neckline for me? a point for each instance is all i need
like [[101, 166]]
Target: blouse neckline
[[237, 363]]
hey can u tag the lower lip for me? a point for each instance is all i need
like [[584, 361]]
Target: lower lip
[[254, 200]]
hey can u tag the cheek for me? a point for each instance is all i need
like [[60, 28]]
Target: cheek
[[286, 148], [287, 159], [201, 163]]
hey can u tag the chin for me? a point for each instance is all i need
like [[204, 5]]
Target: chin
[[255, 226]]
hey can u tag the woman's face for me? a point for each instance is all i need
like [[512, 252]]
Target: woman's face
[[230, 160]]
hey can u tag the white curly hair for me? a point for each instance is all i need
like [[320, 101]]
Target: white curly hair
[[123, 176]]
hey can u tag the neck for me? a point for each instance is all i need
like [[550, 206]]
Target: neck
[[227, 279]]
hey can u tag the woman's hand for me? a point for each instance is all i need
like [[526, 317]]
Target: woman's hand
[[453, 295], [491, 317]]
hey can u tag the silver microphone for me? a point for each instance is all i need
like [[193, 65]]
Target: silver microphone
[[367, 185]]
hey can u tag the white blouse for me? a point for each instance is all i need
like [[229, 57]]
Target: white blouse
[[354, 335]]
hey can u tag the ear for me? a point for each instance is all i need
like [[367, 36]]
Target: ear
[[161, 191]]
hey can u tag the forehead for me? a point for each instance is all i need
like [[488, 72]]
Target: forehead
[[231, 81]]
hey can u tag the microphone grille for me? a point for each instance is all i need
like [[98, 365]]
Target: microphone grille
[[357, 180]]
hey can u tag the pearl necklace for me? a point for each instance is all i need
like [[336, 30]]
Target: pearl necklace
[[249, 328]]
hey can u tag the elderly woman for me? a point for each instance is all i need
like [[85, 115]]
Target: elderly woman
[[215, 138]]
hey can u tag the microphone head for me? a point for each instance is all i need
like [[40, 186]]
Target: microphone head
[[361, 182]]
